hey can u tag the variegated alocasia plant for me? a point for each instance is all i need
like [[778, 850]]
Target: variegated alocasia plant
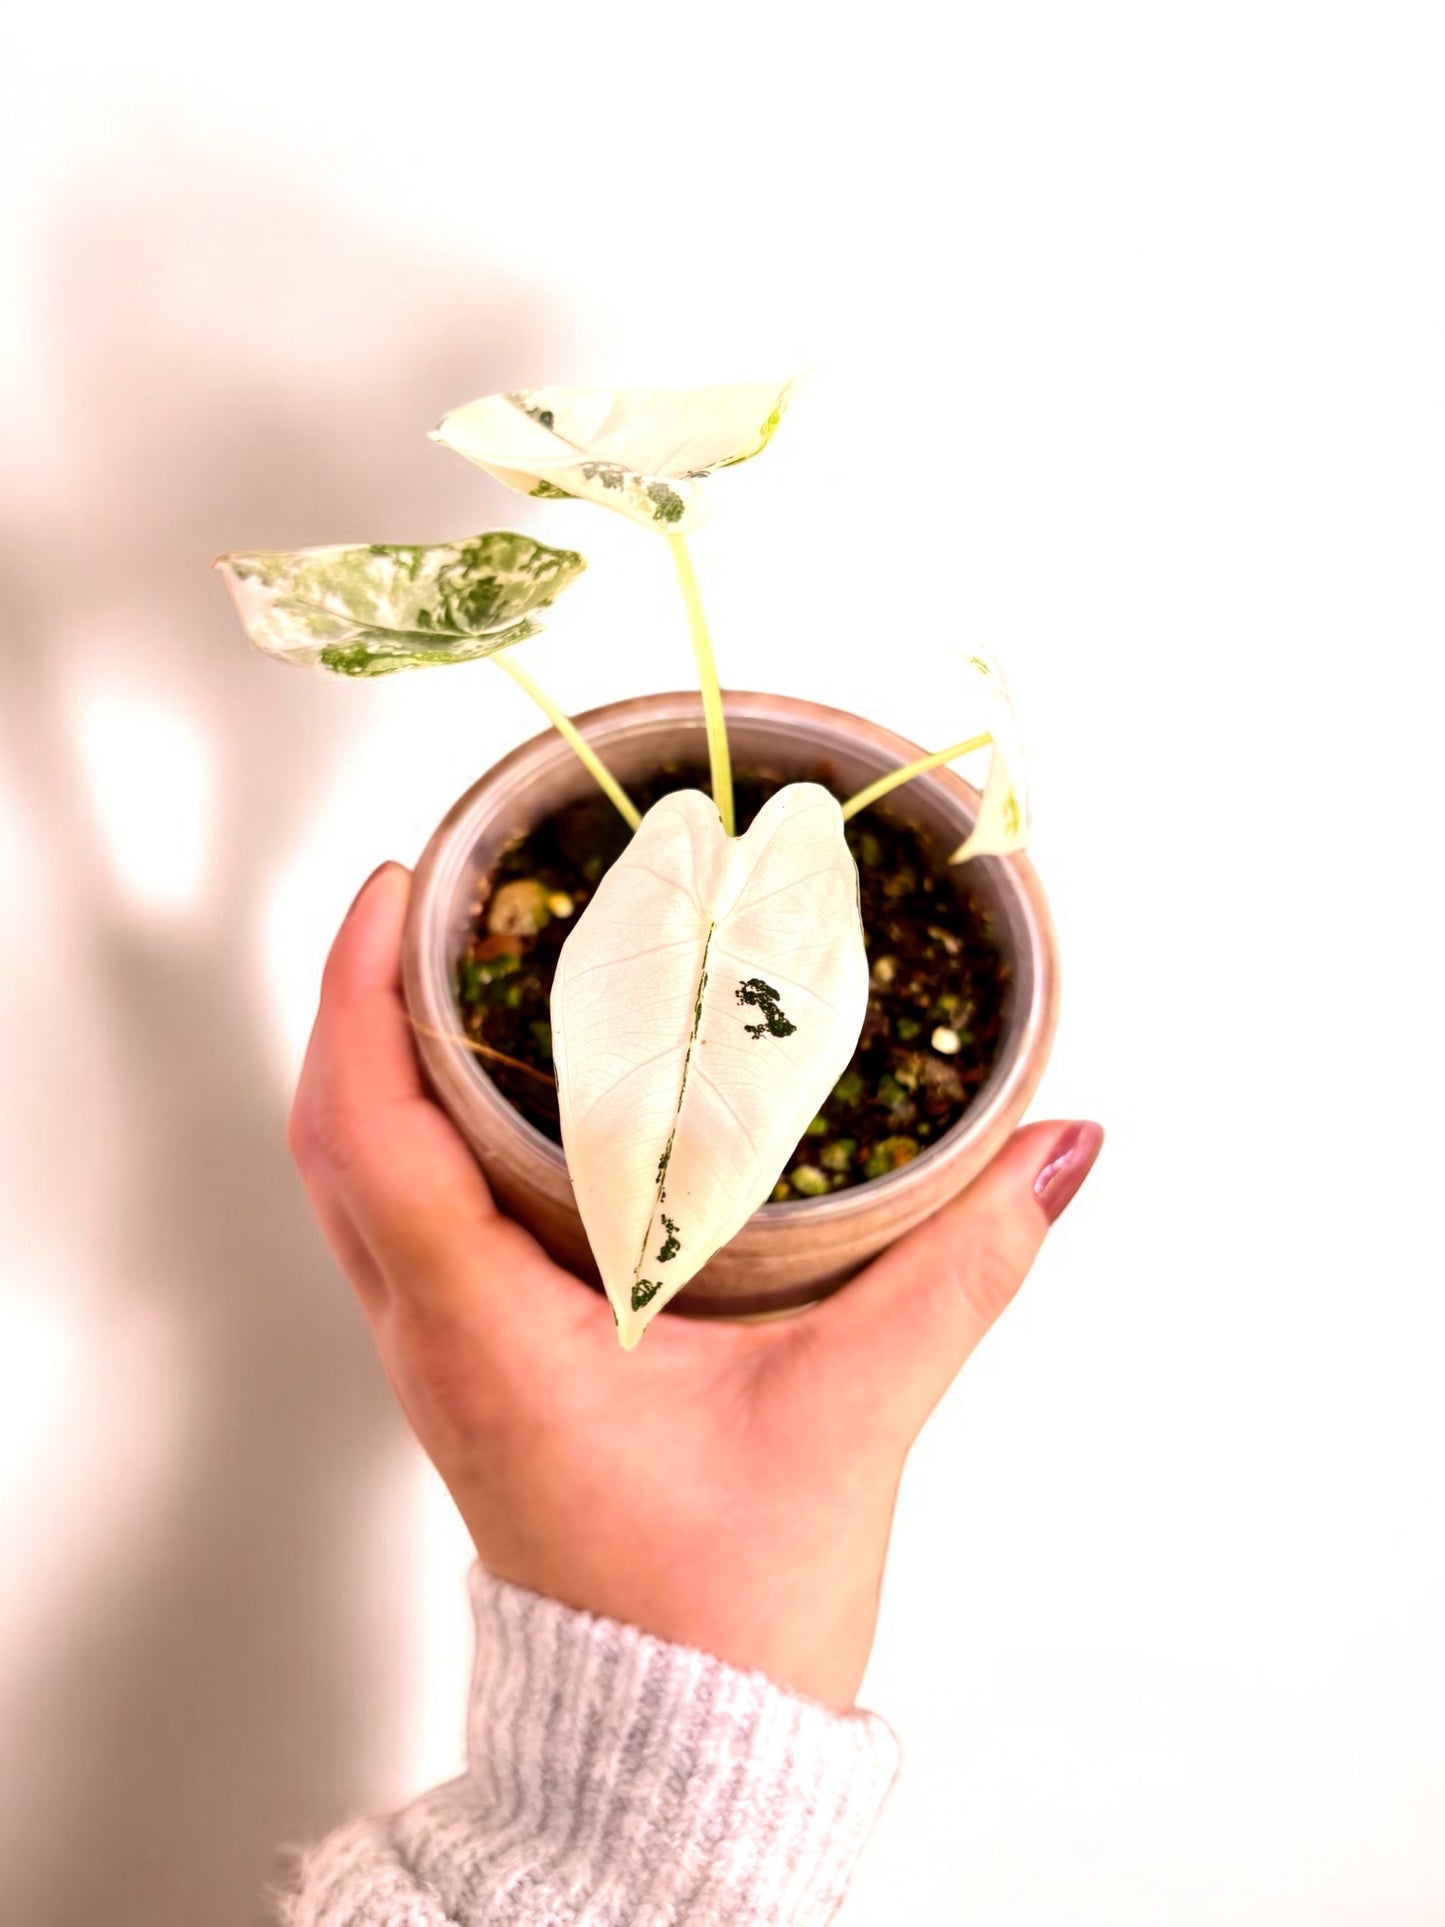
[[644, 452], [368, 611], [712, 992], [1003, 812], [641, 451], [371, 610], [1003, 818], [708, 1000]]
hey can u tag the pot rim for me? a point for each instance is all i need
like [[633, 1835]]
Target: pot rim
[[1027, 1037]]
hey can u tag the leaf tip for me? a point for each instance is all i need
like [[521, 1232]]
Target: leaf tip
[[629, 1331]]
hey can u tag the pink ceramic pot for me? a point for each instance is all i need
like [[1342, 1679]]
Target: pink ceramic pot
[[790, 1253]]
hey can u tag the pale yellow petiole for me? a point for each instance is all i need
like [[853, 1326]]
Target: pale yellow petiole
[[712, 706], [905, 775], [565, 727]]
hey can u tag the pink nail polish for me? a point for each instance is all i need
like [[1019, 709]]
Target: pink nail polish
[[1069, 1163]]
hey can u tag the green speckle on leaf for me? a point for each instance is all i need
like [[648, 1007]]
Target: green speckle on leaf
[[667, 504], [671, 1245], [543, 417], [355, 662], [643, 1293], [549, 492], [753, 991]]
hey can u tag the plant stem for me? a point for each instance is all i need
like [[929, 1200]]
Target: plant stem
[[573, 736], [905, 775], [712, 708]]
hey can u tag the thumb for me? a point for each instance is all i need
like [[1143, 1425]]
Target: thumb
[[913, 1317]]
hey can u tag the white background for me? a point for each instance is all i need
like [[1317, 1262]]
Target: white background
[[1128, 325]]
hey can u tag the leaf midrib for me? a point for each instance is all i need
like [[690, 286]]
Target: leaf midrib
[[665, 1156]]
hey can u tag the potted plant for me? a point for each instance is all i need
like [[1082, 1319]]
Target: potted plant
[[727, 1045]]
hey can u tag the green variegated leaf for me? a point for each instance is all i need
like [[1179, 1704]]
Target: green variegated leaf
[[368, 611], [704, 1006], [641, 451], [1003, 816]]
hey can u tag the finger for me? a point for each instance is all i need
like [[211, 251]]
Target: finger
[[910, 1321], [390, 1158], [348, 1247]]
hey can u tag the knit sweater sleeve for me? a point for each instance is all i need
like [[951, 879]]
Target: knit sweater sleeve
[[614, 1780]]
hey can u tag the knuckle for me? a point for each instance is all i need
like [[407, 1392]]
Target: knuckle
[[986, 1275], [321, 1132]]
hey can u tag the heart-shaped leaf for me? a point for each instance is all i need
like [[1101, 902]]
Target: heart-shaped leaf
[[1003, 814], [368, 611], [704, 1006], [641, 451]]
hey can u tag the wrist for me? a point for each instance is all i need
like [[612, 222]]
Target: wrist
[[703, 1790], [810, 1635]]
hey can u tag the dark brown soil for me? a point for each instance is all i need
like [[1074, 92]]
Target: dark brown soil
[[937, 977]]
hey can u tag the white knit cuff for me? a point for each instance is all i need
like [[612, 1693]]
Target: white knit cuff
[[622, 1779]]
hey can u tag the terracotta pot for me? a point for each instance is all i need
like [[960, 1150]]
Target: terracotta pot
[[786, 1254]]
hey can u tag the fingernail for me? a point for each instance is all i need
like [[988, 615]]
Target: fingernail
[[368, 883], [1069, 1163]]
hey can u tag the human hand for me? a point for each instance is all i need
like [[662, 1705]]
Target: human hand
[[726, 1486]]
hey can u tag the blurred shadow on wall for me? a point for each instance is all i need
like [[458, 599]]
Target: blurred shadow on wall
[[235, 368]]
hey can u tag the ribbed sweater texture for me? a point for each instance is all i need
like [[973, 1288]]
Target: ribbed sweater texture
[[613, 1780]]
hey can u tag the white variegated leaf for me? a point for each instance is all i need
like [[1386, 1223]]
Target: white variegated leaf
[[708, 1000], [367, 611], [641, 451], [1003, 815]]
